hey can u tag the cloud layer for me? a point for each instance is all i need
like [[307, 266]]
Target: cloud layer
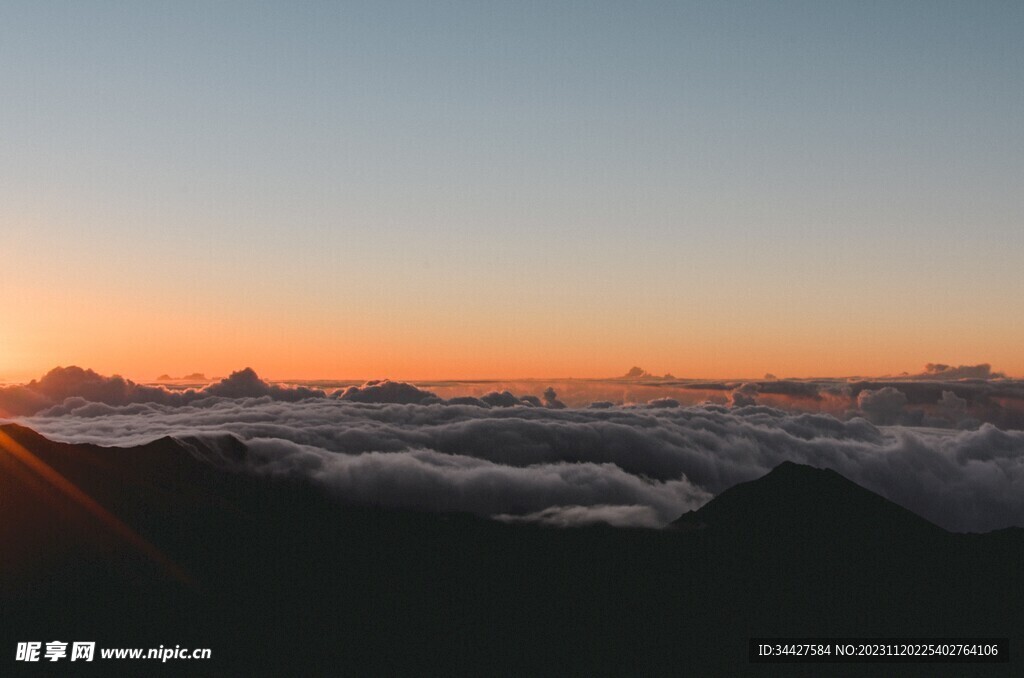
[[68, 387], [623, 465], [940, 398]]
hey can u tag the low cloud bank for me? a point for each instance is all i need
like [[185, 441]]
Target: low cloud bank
[[387, 391], [63, 384], [622, 465], [928, 401], [940, 371], [64, 389]]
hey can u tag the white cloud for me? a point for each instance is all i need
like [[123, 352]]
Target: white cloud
[[523, 460]]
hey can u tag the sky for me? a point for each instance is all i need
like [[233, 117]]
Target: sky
[[510, 189]]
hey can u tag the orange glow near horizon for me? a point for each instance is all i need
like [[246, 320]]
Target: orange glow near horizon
[[141, 333], [369, 359]]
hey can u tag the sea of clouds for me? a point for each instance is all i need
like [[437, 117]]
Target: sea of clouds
[[531, 458]]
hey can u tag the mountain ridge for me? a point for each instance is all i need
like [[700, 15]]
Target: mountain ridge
[[323, 587]]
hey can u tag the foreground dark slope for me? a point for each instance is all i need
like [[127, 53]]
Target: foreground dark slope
[[282, 580]]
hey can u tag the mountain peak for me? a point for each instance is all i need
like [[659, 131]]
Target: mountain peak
[[799, 500]]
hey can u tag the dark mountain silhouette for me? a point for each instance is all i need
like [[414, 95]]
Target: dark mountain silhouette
[[797, 501], [279, 578]]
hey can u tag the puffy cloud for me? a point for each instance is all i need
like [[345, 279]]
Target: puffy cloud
[[64, 388], [940, 371], [551, 399], [502, 399], [745, 395], [65, 382], [523, 460], [387, 391], [883, 406], [952, 407], [17, 400], [246, 384], [739, 399]]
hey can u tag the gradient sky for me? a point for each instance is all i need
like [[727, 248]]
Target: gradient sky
[[480, 189]]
